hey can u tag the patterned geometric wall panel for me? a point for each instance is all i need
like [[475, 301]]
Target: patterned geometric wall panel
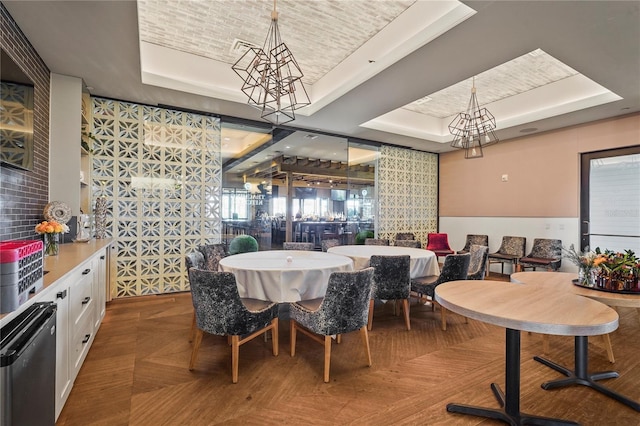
[[160, 171], [407, 188]]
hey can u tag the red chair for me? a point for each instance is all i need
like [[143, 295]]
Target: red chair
[[439, 244]]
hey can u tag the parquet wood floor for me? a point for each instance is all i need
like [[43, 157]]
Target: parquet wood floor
[[136, 373]]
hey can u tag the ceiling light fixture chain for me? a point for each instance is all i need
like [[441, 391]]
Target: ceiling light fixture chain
[[474, 129], [272, 79]]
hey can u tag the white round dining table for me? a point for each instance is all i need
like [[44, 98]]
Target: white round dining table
[[284, 275], [423, 262]]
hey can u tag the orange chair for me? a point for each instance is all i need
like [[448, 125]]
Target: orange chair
[[439, 244]]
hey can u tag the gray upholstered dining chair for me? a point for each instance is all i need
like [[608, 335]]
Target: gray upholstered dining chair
[[478, 239], [510, 251], [455, 267], [343, 309], [328, 243], [405, 236], [478, 262], [391, 281], [376, 242], [545, 253], [221, 311], [298, 246], [408, 243], [205, 257], [212, 253]]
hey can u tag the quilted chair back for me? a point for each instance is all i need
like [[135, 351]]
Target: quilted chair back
[[392, 277], [478, 262], [298, 246], [219, 309], [376, 242], [513, 246], [212, 253], [328, 243], [345, 306], [477, 239], [408, 243], [405, 236]]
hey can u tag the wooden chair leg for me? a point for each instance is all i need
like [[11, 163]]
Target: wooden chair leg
[[274, 336], [327, 357], [292, 338], [443, 318], [339, 338], [235, 354], [405, 309], [365, 340], [545, 344], [196, 347], [607, 345], [192, 333], [370, 321]]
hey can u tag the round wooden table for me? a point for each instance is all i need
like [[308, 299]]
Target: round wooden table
[[521, 308]]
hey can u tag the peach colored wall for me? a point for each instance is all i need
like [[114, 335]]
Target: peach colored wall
[[543, 172]]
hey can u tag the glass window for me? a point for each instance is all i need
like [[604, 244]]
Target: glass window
[[234, 203]]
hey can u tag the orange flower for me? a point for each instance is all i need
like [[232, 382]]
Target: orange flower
[[51, 227], [599, 260]]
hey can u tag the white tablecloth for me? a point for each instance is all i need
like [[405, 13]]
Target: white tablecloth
[[423, 262], [266, 275]]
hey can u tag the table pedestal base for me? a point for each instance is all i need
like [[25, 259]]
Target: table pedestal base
[[581, 376], [509, 411], [501, 414]]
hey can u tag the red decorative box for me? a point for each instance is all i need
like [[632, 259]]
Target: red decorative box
[[21, 272]]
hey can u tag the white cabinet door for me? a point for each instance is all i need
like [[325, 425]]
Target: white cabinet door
[[81, 316]]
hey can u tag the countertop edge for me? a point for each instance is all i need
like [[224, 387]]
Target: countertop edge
[[71, 256]]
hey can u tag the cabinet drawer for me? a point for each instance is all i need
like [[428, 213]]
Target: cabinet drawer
[[80, 298], [81, 341]]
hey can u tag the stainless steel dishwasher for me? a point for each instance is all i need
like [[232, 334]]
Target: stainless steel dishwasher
[[27, 367]]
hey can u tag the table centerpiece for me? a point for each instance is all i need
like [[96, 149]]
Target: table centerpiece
[[606, 270]]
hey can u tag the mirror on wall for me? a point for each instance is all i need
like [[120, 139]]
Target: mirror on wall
[[16, 115]]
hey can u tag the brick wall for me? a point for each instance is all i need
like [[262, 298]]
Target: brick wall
[[23, 194]]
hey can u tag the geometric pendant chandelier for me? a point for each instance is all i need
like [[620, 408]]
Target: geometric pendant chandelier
[[272, 78], [474, 128]]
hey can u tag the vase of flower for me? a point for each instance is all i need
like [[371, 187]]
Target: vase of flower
[[51, 244], [51, 231]]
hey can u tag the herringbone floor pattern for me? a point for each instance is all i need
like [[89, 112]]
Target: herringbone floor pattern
[[136, 373]]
